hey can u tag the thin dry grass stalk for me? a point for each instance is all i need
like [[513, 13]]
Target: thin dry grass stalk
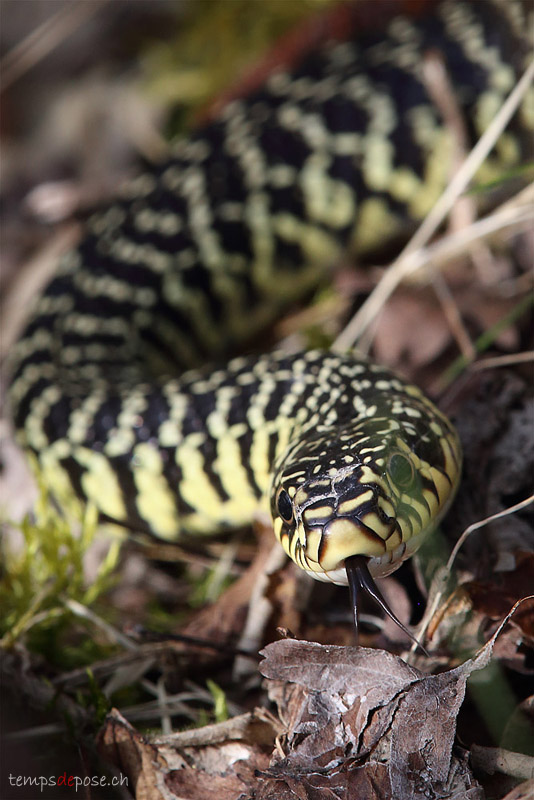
[[44, 39], [415, 255], [440, 580], [502, 361]]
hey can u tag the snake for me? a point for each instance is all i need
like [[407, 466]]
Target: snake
[[136, 385]]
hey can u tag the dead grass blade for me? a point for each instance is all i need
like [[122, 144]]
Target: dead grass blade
[[45, 38], [414, 255]]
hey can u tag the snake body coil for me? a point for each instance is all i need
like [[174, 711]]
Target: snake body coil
[[342, 153]]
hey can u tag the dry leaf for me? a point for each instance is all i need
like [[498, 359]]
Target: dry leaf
[[399, 338], [494, 597], [164, 772], [120, 744], [357, 723], [363, 723], [493, 416]]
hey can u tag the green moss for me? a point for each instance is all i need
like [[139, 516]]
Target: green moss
[[46, 572]]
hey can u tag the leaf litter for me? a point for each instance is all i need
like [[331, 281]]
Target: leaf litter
[[336, 737], [353, 722]]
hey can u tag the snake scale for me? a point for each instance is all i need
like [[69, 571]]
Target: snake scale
[[111, 393]]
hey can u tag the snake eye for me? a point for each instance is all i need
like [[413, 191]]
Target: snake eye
[[401, 470], [285, 506]]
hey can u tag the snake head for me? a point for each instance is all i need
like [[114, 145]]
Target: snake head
[[352, 504]]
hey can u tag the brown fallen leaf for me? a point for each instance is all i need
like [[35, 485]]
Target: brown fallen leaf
[[519, 732], [399, 340], [165, 772], [363, 723], [222, 772], [255, 727], [120, 744], [494, 597]]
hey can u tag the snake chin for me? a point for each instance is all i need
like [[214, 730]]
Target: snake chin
[[378, 566]]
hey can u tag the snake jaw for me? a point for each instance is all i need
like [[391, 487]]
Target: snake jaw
[[360, 579]]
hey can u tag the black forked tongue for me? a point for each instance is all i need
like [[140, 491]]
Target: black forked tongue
[[360, 579]]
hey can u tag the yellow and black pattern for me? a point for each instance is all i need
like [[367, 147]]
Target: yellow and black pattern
[[372, 469], [108, 391]]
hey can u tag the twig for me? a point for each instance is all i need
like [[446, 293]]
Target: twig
[[222, 569], [163, 706], [109, 666], [464, 211], [259, 611], [36, 732], [232, 729], [453, 317], [508, 217], [441, 92], [495, 759], [195, 641], [514, 215]]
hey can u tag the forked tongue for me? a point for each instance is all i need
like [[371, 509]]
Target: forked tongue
[[360, 579]]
